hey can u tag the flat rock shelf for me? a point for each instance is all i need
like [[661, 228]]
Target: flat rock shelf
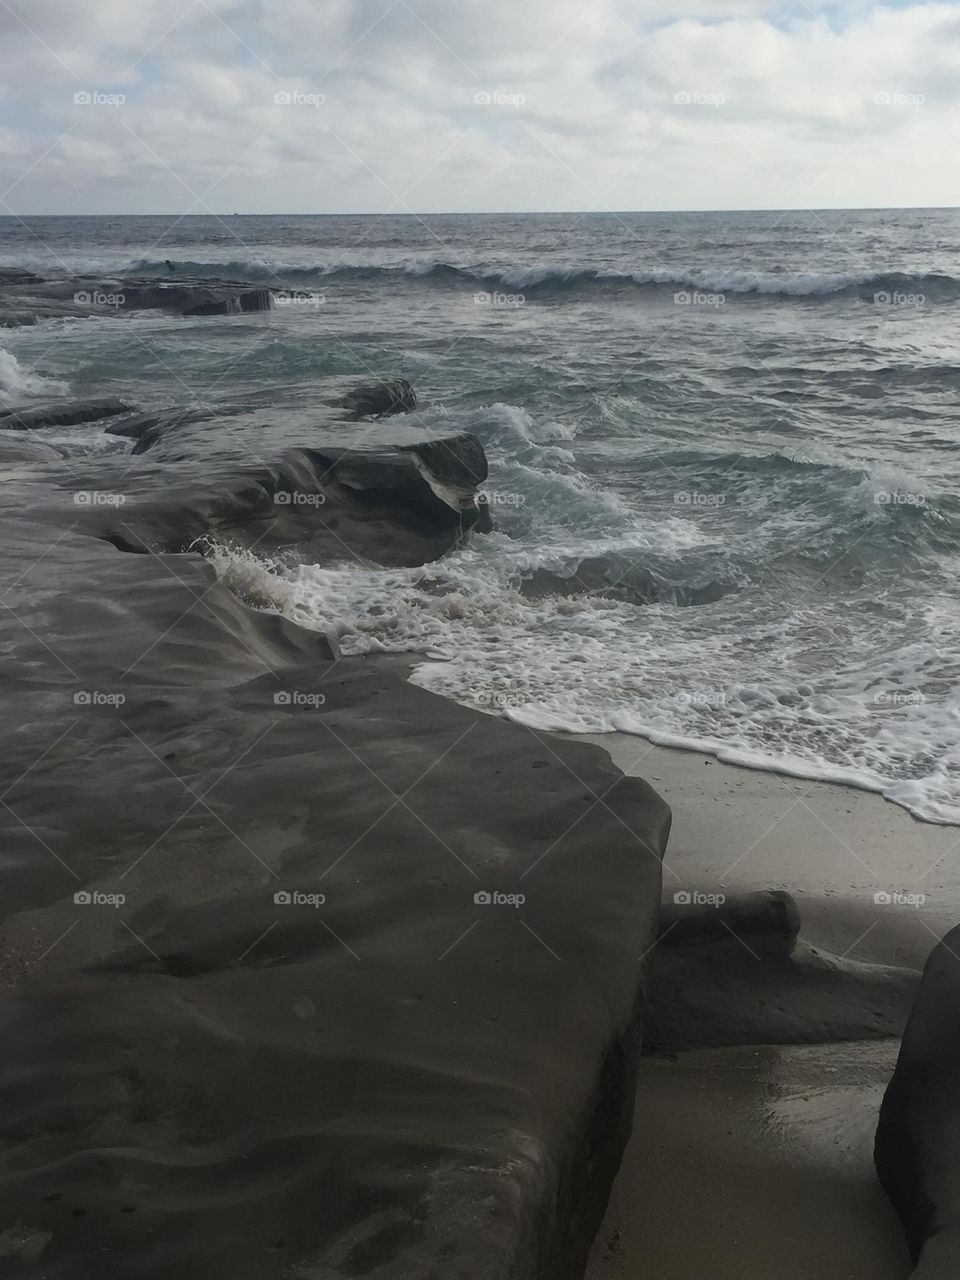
[[305, 972]]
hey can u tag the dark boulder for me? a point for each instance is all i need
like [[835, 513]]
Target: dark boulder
[[61, 413], [737, 973], [917, 1149], [13, 275], [227, 302], [380, 399], [768, 922]]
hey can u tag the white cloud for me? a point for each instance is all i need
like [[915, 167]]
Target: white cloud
[[623, 104]]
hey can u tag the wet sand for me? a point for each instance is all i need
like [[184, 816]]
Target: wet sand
[[755, 1163]]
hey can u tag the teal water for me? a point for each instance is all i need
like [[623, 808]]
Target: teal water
[[724, 456]]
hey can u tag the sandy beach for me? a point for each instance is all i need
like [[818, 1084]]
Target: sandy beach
[[755, 1162]]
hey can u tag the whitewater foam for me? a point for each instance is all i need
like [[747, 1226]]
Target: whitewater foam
[[18, 383], [530, 277]]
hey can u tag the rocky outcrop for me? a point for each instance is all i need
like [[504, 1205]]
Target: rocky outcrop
[[14, 450], [61, 413], [737, 973], [25, 297], [303, 971], [380, 399], [391, 492], [918, 1139]]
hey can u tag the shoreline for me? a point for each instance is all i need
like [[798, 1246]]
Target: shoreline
[[755, 1162], [833, 846]]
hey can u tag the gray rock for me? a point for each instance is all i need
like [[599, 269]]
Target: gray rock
[[61, 413], [918, 1138], [738, 974], [380, 399]]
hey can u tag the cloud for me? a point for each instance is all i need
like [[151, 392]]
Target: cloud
[[371, 105]]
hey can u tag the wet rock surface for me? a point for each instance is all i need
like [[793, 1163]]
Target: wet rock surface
[[26, 297], [918, 1137]]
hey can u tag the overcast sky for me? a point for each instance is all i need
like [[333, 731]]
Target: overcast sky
[[289, 106]]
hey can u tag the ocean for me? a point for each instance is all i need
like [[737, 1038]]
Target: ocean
[[724, 457]]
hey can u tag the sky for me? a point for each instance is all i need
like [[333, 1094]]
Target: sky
[[376, 106]]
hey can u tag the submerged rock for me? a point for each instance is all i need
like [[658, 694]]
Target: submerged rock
[[380, 399], [61, 413], [18, 450]]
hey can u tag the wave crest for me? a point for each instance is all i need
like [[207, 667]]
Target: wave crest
[[580, 277]]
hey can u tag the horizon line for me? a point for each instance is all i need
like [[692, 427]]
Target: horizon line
[[499, 213]]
